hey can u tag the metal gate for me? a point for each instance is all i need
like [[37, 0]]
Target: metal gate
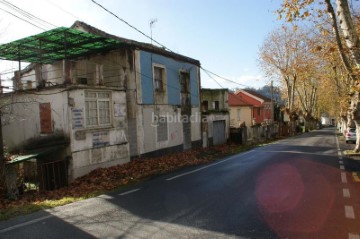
[[219, 132]]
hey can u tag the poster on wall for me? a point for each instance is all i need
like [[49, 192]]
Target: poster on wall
[[119, 110]]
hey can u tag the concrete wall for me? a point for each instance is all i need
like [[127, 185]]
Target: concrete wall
[[113, 69], [150, 114], [94, 147], [89, 148], [22, 117], [212, 95]]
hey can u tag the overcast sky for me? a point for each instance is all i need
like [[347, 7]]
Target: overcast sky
[[224, 35]]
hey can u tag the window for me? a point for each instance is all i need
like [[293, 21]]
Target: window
[[259, 111], [238, 114], [97, 108], [45, 118], [159, 78], [205, 105], [216, 105], [184, 82]]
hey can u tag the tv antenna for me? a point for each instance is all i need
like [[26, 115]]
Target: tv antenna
[[151, 23]]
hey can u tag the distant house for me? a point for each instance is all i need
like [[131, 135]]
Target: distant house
[[90, 99], [215, 116], [261, 106], [240, 111]]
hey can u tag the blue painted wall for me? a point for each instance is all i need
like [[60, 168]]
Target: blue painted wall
[[172, 72]]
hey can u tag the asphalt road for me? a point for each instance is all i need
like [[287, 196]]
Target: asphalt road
[[300, 187]]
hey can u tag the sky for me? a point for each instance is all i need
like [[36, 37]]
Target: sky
[[224, 35]]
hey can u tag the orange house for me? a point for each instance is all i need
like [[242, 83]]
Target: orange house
[[261, 106]]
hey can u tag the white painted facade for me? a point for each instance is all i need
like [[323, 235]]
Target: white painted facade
[[24, 128]]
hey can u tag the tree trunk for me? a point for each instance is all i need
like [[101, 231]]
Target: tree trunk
[[353, 44], [348, 29], [344, 58]]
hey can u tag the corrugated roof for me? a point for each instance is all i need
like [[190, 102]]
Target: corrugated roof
[[78, 41], [57, 44]]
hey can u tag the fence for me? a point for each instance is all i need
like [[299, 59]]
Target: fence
[[36, 175]]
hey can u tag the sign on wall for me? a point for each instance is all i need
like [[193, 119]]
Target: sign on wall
[[100, 139], [45, 118], [77, 118]]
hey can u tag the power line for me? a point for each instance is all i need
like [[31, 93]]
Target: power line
[[139, 31], [23, 19], [62, 9], [149, 37], [27, 15], [226, 79], [213, 79]]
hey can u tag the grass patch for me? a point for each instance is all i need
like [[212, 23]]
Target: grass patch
[[351, 153], [28, 208]]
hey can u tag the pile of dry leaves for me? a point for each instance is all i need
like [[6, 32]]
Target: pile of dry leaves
[[106, 179]]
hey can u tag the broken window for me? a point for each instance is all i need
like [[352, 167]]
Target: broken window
[[159, 78], [97, 108], [185, 82], [216, 105], [205, 105]]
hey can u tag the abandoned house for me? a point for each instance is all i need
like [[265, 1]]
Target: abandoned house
[[215, 114], [90, 99]]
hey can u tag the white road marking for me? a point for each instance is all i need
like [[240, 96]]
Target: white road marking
[[340, 157], [354, 236], [342, 167], [343, 177], [208, 166], [339, 153], [346, 193], [128, 192], [25, 224], [341, 162], [349, 212], [105, 197]]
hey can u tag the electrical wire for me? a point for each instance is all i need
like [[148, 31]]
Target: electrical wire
[[62, 9], [22, 19], [149, 37], [213, 79], [142, 33], [28, 15], [226, 79]]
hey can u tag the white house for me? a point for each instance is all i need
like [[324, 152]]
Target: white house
[[93, 100]]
